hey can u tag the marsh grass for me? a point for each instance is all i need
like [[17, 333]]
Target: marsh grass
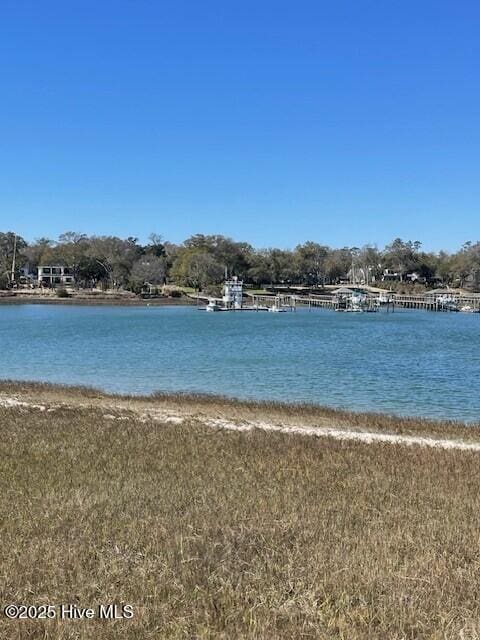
[[233, 535], [286, 413]]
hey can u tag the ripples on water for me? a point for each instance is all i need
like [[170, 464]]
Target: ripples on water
[[409, 362]]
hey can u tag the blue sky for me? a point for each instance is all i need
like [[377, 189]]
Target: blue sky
[[344, 122]]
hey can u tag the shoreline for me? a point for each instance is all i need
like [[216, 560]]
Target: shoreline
[[99, 301], [237, 414]]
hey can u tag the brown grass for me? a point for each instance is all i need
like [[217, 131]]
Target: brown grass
[[233, 535], [220, 406]]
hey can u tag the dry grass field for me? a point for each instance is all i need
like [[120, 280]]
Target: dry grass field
[[229, 534]]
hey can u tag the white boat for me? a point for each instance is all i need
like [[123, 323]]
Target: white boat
[[212, 306], [447, 303], [277, 306]]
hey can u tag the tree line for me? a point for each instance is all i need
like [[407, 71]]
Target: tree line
[[202, 261]]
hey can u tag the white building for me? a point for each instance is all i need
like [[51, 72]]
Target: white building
[[233, 293], [55, 275]]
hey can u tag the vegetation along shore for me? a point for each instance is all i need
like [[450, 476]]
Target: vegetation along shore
[[218, 518], [76, 260], [105, 299]]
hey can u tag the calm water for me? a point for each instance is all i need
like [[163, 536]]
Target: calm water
[[413, 363]]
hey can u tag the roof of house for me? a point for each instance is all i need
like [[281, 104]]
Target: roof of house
[[351, 291]]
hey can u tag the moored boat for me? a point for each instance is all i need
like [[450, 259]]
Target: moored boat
[[212, 306]]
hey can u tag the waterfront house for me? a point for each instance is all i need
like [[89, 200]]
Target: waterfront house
[[389, 275], [55, 275]]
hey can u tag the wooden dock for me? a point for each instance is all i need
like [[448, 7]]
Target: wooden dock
[[436, 303], [395, 301]]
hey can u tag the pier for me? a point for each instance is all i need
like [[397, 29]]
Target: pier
[[388, 301], [346, 298]]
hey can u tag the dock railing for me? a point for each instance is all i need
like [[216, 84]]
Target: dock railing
[[428, 302]]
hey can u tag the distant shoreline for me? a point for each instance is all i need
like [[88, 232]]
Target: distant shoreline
[[99, 301]]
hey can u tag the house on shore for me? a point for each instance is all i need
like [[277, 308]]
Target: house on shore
[[54, 276]]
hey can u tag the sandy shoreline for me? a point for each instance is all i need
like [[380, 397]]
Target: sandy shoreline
[[230, 415]]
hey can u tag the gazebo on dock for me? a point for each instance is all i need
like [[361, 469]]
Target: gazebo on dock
[[349, 292]]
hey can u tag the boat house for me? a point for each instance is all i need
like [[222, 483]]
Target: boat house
[[233, 293]]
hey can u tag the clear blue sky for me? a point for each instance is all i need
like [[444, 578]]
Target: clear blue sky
[[344, 122]]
